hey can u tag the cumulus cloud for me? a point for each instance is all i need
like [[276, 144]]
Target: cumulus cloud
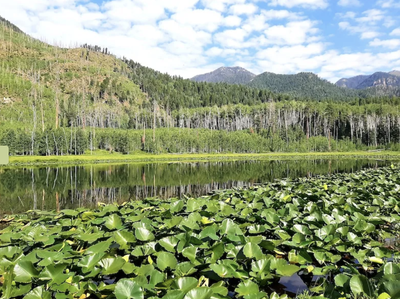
[[368, 24], [395, 32], [292, 33], [388, 43], [201, 19], [243, 9], [233, 38], [196, 36]]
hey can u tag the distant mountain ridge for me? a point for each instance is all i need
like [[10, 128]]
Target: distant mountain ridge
[[302, 85], [231, 75], [381, 80], [309, 85]]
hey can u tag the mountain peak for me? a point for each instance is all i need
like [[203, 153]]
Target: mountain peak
[[231, 75], [395, 73], [377, 79]]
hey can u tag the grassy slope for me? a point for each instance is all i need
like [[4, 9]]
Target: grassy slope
[[103, 157], [31, 69]]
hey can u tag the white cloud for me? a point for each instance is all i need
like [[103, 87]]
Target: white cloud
[[201, 19], [281, 14], [395, 32], [292, 33], [347, 15], [259, 22], [349, 3], [389, 43], [182, 33], [137, 12], [369, 34], [233, 38], [220, 5], [142, 32], [389, 3], [255, 23], [290, 53], [368, 25], [314, 4], [243, 9], [218, 52], [232, 21], [372, 16]]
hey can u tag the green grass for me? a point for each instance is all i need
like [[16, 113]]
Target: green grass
[[103, 157]]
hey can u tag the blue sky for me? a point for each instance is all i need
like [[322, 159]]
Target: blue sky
[[333, 38]]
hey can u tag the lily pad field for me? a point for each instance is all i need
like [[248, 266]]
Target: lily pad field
[[338, 234]]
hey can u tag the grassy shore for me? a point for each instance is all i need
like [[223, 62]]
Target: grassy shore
[[103, 157]]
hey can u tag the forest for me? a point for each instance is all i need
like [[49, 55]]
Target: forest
[[60, 101], [270, 127]]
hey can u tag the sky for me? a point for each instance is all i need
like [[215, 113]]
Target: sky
[[332, 38]]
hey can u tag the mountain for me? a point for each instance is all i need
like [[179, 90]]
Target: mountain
[[351, 82], [302, 85], [378, 80], [231, 75]]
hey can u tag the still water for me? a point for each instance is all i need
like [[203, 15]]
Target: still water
[[56, 188]]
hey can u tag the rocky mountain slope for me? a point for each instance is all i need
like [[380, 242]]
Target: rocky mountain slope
[[380, 80]]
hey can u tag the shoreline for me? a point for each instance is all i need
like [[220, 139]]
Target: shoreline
[[115, 158]]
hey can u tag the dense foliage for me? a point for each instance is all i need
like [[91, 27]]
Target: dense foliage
[[232, 243], [269, 127], [70, 141]]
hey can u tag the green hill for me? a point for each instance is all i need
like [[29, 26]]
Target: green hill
[[46, 86], [303, 85]]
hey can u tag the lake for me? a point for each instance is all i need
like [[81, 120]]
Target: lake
[[57, 188]]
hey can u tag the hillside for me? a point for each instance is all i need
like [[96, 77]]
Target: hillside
[[379, 80], [303, 85], [45, 86], [231, 75]]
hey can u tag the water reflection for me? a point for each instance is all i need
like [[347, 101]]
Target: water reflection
[[54, 188]]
